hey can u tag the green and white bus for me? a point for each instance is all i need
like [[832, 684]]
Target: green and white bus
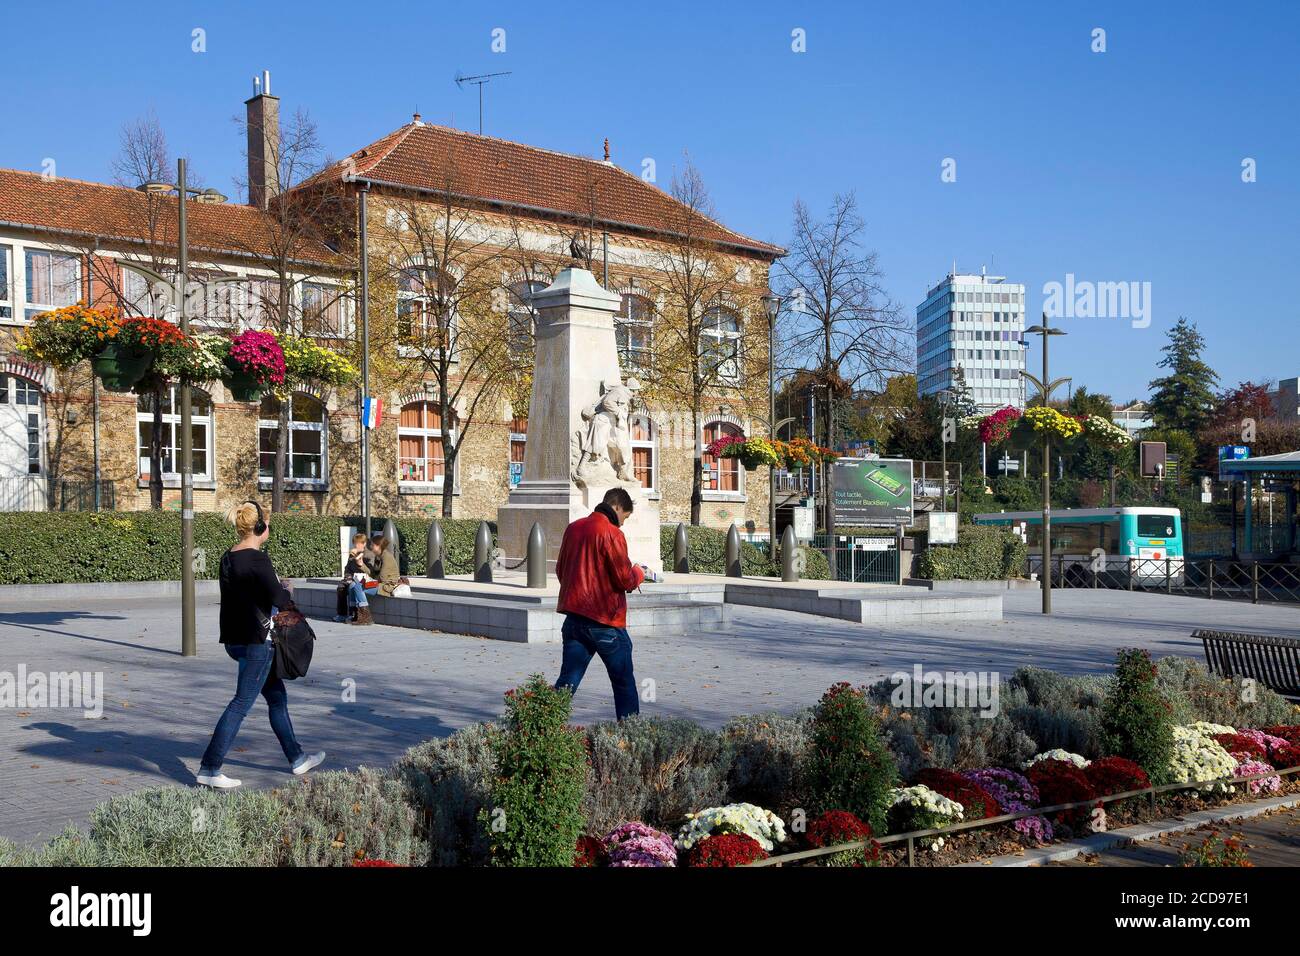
[[1144, 544]]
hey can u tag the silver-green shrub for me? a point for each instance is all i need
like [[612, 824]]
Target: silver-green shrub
[[341, 817], [766, 752], [1196, 694], [655, 770], [448, 780]]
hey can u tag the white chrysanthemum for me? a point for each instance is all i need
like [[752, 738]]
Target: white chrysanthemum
[[1059, 754]]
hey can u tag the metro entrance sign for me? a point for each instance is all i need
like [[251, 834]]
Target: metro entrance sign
[[873, 492], [1230, 453]]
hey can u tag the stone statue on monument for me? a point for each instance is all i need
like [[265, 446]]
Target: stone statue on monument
[[601, 451]]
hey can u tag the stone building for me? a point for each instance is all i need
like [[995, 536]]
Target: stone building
[[515, 214]]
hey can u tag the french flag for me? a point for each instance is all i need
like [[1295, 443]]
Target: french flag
[[371, 410]]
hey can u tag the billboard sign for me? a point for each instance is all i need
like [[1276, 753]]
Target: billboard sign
[[1231, 453], [873, 492]]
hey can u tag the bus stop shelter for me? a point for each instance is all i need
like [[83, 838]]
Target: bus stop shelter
[[1283, 469]]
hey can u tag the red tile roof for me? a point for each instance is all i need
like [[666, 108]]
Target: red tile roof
[[74, 208], [527, 178]]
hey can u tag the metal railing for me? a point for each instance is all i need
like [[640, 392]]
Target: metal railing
[[1212, 578], [39, 493], [865, 560], [912, 836]]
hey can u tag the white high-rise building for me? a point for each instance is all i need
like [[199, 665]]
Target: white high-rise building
[[976, 322]]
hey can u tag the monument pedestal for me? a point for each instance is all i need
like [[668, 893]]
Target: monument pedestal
[[555, 507], [579, 441]]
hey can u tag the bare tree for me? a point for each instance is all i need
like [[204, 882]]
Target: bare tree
[[699, 338], [289, 242], [839, 320], [453, 322]]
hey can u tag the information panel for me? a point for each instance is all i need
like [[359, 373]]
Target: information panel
[[873, 491]]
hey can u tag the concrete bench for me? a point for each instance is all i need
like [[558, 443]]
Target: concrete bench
[[1273, 661]]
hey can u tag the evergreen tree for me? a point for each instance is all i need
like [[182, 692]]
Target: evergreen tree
[[1184, 399]]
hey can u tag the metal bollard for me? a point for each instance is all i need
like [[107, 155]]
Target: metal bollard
[[483, 554], [394, 540], [681, 551], [434, 567], [789, 549], [733, 552], [537, 557]]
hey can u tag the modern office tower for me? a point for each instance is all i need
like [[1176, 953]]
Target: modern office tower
[[977, 323]]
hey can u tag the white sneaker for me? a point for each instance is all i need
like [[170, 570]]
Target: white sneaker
[[308, 761], [218, 781]]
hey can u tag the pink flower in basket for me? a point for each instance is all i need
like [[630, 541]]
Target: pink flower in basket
[[259, 356]]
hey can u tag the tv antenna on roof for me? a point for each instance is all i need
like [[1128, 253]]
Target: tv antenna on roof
[[479, 81]]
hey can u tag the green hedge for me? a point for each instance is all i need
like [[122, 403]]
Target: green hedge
[[982, 553], [706, 549], [69, 547]]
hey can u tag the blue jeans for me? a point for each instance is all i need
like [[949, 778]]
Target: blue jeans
[[585, 638], [255, 675], [357, 594]]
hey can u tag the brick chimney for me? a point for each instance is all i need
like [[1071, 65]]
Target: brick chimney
[[263, 142]]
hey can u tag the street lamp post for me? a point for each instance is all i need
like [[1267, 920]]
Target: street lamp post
[[944, 397], [1045, 388], [189, 642], [772, 307]]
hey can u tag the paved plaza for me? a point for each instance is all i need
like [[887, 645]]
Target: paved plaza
[[55, 765]]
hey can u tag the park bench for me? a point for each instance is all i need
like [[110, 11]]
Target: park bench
[[1273, 661]]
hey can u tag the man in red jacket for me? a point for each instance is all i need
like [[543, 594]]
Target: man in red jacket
[[595, 575]]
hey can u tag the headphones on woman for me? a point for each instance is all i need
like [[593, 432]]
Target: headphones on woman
[[260, 527]]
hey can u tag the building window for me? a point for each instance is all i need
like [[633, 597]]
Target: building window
[[261, 303], [6, 270], [322, 310], [306, 460], [521, 317], [20, 427], [418, 322], [643, 451], [200, 429], [720, 474], [53, 281], [419, 437], [720, 344], [633, 327], [518, 444]]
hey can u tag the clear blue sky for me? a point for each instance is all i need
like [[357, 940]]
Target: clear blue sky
[[1115, 166]]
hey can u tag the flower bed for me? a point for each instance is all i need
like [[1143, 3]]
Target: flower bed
[[472, 798]]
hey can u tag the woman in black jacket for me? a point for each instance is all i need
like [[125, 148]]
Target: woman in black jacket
[[250, 592]]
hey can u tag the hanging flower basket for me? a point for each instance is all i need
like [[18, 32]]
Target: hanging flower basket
[[1048, 421], [120, 367], [750, 452], [254, 365], [66, 336]]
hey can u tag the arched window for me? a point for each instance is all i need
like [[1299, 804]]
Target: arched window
[[720, 474], [420, 460], [306, 461], [21, 411], [426, 314], [634, 328], [521, 317], [644, 454], [720, 344], [200, 429]]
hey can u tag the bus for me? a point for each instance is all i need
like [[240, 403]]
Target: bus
[[1143, 546]]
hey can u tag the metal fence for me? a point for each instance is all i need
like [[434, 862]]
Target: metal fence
[[38, 493], [1212, 578], [866, 560]]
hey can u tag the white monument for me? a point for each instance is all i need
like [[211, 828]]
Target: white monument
[[579, 425]]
